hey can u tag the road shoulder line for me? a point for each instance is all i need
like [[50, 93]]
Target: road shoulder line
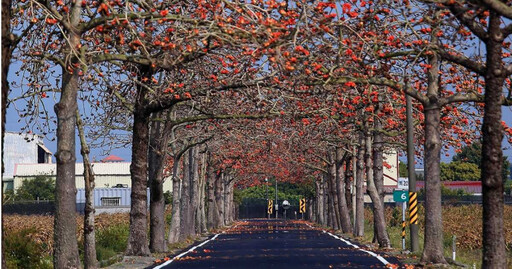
[[380, 258], [186, 252]]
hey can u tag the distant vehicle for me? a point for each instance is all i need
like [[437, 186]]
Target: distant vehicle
[[120, 186]]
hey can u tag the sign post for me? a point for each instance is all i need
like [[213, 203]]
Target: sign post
[[402, 196], [270, 207], [286, 205], [269, 211], [302, 207]]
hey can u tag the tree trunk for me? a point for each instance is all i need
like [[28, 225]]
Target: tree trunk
[[331, 212], [325, 200], [219, 192], [90, 261], [226, 198], [346, 226], [349, 182], [156, 156], [137, 240], [201, 213], [174, 230], [66, 245], [310, 212], [359, 226], [378, 207], [328, 202], [6, 63], [194, 189], [320, 201], [368, 168], [213, 218], [334, 191], [433, 247], [378, 153], [494, 254], [231, 203], [185, 209]]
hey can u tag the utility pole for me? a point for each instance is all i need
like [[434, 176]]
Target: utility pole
[[277, 204], [354, 171], [412, 175]]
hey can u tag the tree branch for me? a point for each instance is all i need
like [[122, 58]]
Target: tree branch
[[477, 29], [464, 61], [499, 7]]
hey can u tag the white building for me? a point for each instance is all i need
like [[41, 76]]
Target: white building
[[107, 174], [391, 174], [22, 149]]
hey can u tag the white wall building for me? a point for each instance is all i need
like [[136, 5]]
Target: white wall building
[[107, 174], [391, 174], [22, 149]]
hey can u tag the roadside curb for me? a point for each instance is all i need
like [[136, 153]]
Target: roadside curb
[[133, 262]]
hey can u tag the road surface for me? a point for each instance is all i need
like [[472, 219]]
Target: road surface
[[276, 244]]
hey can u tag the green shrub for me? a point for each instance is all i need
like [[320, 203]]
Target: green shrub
[[104, 254], [20, 251], [111, 241], [168, 197], [41, 187], [396, 217], [168, 218], [508, 187]]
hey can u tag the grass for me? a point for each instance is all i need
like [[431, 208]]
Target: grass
[[469, 257], [110, 242]]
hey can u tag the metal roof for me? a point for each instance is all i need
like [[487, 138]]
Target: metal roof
[[27, 170]]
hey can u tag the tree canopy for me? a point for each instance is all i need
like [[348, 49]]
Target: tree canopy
[[473, 154], [459, 171]]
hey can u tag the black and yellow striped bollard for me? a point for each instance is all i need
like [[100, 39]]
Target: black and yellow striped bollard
[[413, 207], [403, 234]]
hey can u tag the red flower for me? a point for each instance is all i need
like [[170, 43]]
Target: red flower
[[346, 7], [350, 84]]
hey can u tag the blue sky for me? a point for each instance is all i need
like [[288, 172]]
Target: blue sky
[[12, 125]]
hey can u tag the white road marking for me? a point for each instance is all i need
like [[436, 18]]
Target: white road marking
[[185, 253], [380, 258]]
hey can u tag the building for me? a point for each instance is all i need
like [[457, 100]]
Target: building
[[107, 174], [107, 200], [391, 173], [20, 148]]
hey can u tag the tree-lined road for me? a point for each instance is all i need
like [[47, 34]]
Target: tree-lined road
[[276, 244]]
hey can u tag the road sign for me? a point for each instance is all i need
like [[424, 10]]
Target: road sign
[[270, 206], [302, 206], [400, 196], [286, 204], [403, 183]]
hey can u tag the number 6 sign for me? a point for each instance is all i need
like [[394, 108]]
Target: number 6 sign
[[400, 196]]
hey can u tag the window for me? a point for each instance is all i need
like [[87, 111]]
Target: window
[[110, 201]]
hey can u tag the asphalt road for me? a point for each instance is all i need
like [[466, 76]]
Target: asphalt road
[[276, 244]]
